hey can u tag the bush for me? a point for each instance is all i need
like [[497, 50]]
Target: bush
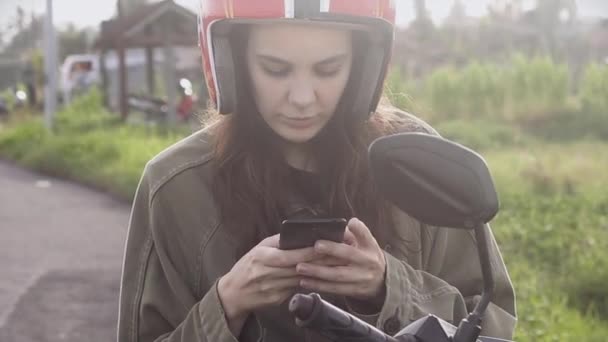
[[563, 236], [536, 87], [594, 90], [526, 87], [400, 92], [8, 97], [443, 94], [88, 144], [568, 125], [84, 114], [20, 140], [480, 134], [544, 314], [554, 215]]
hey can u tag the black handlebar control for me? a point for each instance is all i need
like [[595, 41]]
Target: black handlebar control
[[314, 313]]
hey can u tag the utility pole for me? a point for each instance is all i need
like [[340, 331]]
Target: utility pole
[[50, 65], [122, 68]]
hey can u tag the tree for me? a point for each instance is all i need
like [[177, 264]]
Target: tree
[[2, 33], [422, 25], [458, 12], [72, 41], [20, 18], [25, 39], [551, 15]]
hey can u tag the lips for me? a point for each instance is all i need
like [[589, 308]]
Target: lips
[[299, 122]]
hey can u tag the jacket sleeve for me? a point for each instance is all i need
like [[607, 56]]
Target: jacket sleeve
[[156, 301], [449, 286]]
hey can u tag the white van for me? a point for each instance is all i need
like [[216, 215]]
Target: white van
[[78, 73]]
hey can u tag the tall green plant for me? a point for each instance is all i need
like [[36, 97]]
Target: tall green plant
[[524, 88], [537, 86], [594, 89], [443, 93], [399, 91]]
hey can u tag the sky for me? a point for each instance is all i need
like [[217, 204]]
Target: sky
[[85, 13]]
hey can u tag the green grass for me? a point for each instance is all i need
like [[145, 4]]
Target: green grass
[[550, 173], [552, 227], [88, 144], [545, 314], [554, 219]]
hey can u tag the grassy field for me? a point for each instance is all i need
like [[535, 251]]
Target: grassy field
[[552, 227], [553, 224]]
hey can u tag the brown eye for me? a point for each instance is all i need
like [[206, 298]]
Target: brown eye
[[328, 70], [276, 72], [275, 69]]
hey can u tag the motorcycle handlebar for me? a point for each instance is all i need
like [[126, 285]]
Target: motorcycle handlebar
[[313, 312]]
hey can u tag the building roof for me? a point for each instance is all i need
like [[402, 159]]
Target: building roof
[[133, 30]]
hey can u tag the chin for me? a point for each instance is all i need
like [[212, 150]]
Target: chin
[[299, 136]]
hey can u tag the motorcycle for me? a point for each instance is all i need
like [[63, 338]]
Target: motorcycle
[[157, 109], [448, 185]]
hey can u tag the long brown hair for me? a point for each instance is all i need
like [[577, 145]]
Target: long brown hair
[[251, 177]]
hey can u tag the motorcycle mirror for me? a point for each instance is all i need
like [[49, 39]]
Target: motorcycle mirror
[[436, 181]]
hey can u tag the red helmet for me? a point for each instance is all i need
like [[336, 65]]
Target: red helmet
[[218, 64]]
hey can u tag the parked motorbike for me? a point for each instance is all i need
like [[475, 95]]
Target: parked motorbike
[[440, 183], [157, 109]]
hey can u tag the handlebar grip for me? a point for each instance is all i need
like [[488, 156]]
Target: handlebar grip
[[313, 312]]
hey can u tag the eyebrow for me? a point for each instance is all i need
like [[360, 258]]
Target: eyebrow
[[328, 60]]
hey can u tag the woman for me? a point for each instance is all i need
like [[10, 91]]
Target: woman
[[299, 82]]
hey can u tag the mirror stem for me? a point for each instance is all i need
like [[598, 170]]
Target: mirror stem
[[470, 327], [486, 268]]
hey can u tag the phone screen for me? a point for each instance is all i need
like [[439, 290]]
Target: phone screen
[[303, 233]]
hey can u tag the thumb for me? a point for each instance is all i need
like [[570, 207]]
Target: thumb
[[360, 231], [271, 241], [349, 238]]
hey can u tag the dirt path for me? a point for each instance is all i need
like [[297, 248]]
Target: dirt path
[[61, 248]]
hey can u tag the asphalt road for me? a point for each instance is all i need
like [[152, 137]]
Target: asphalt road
[[61, 249]]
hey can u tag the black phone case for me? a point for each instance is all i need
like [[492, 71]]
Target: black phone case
[[297, 234]]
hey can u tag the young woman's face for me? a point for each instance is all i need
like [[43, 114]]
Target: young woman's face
[[299, 73]]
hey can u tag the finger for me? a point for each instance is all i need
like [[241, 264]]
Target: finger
[[345, 289], [351, 254], [362, 234], [274, 285], [280, 297], [275, 292], [271, 241], [277, 272], [329, 261], [342, 274], [281, 258]]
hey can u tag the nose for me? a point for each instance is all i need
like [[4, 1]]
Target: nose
[[302, 94]]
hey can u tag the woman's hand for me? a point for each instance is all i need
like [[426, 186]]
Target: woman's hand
[[361, 275], [264, 276]]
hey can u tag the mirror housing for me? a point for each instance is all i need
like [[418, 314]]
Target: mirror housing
[[434, 180]]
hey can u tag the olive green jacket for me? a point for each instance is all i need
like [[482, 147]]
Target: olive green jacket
[[176, 251]]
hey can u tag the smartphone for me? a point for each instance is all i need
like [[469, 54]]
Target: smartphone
[[303, 233]]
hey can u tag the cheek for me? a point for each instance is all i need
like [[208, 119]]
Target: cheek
[[266, 92], [330, 91]]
